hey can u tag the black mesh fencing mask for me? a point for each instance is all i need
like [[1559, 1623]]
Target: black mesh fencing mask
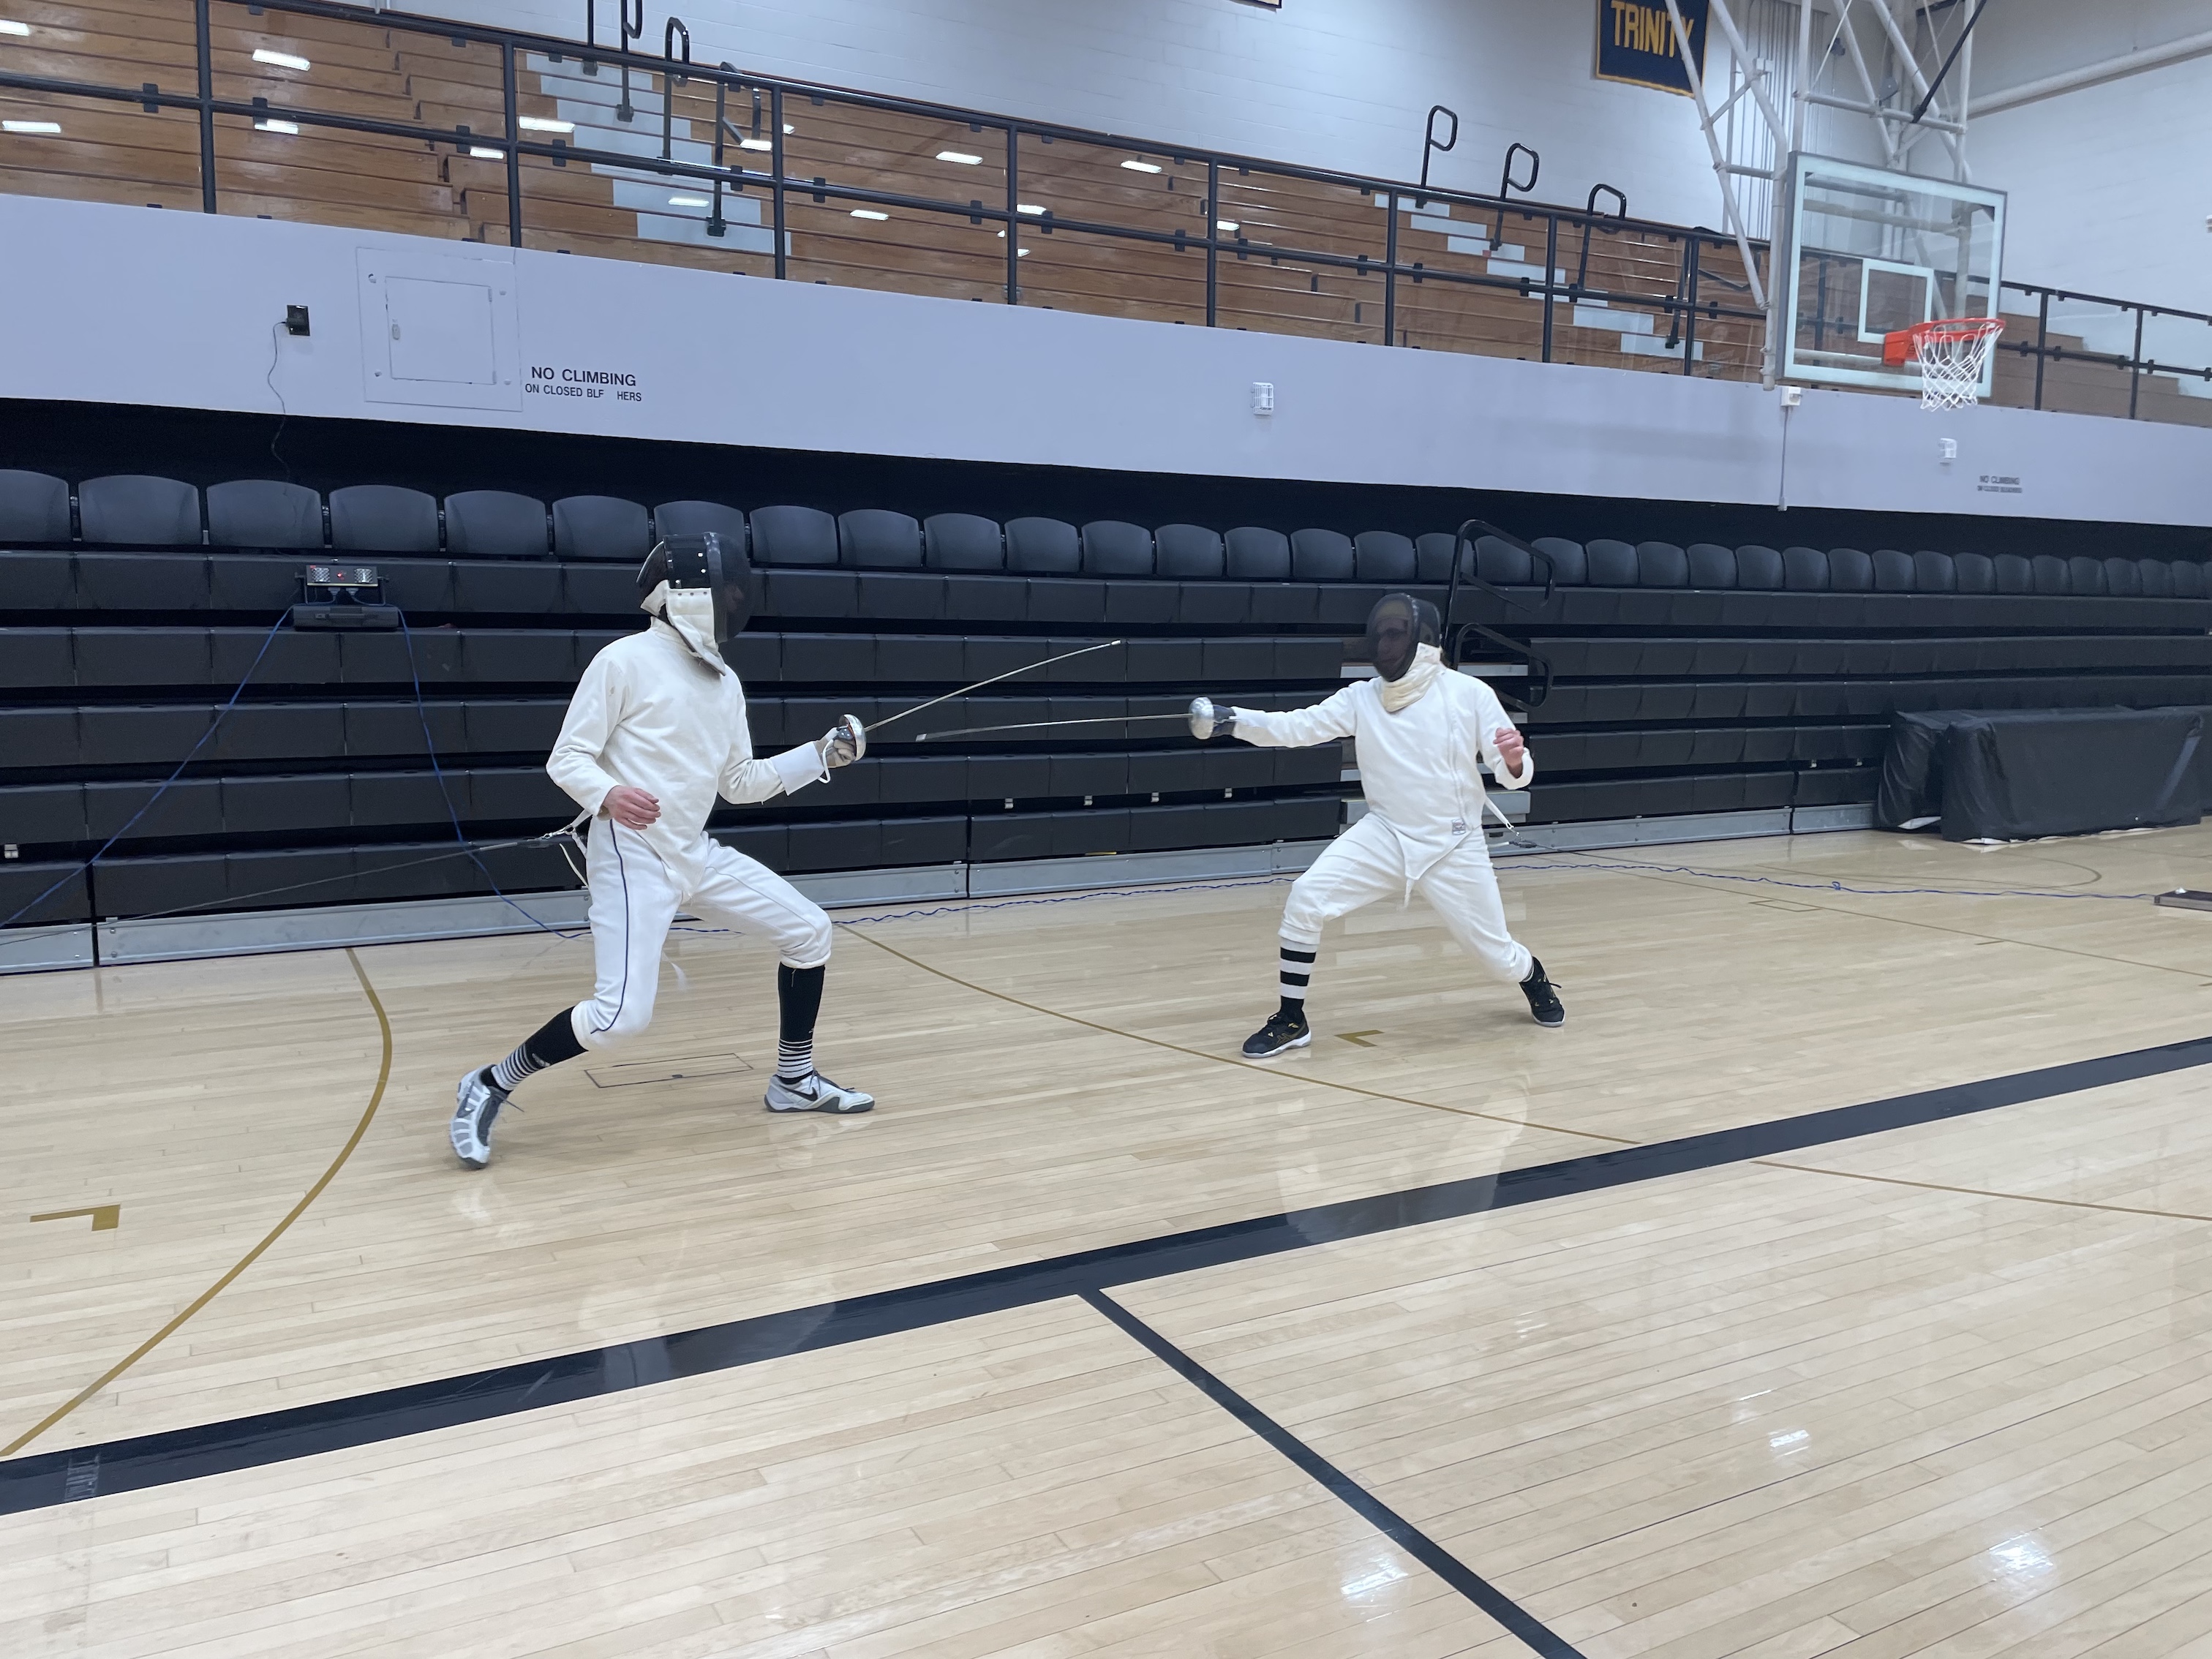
[[707, 578], [1398, 626]]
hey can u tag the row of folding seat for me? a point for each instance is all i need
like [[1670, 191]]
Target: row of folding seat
[[1635, 659], [1713, 791], [250, 879], [1818, 700], [139, 510], [51, 813], [1657, 749]]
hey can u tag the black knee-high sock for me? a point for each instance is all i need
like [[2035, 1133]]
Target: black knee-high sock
[[549, 1045], [798, 1000], [1293, 977]]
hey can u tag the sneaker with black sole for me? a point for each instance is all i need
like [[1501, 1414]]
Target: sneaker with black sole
[[476, 1103], [817, 1093], [1544, 1005], [1281, 1034]]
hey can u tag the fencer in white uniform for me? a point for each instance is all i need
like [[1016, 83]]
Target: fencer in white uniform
[[1419, 730], [656, 730]]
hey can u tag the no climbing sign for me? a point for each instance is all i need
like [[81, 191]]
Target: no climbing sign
[[1637, 42]]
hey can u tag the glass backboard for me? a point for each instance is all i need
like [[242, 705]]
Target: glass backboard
[[1868, 252]]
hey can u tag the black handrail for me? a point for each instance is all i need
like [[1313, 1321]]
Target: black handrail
[[1507, 185], [1430, 146], [668, 79], [1590, 207], [630, 31], [1539, 666]]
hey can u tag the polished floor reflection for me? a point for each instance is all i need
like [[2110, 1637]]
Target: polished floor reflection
[[1928, 1389]]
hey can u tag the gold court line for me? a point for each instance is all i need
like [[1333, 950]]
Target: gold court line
[[375, 1100]]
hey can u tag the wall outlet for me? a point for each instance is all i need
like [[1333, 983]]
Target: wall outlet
[[296, 320], [1263, 397], [1947, 448], [1792, 396]]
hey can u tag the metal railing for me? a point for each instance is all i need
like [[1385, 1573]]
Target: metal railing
[[1086, 220]]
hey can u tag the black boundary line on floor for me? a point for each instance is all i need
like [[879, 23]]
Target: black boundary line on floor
[[1370, 1509], [41, 1480]]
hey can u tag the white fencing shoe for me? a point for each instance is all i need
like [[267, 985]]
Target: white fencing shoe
[[817, 1093], [477, 1101]]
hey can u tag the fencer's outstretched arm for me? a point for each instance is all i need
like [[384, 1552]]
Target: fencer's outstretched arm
[[1298, 728], [593, 713]]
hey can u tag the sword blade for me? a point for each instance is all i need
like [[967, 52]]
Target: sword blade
[[1039, 726], [1026, 669]]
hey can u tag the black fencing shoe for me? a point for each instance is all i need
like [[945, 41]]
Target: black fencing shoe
[[1544, 1005], [476, 1101], [1282, 1033]]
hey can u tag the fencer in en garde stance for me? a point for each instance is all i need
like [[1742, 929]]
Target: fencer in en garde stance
[[657, 729], [1418, 731]]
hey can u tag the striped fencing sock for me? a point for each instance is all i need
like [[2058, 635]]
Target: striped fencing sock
[[1297, 973], [799, 999], [551, 1043]]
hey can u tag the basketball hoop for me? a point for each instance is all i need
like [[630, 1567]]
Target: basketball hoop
[[1951, 355]]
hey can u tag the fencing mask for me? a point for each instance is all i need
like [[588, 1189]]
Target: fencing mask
[[1397, 628], [701, 587]]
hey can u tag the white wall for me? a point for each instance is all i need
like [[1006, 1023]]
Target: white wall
[[134, 306], [1329, 83]]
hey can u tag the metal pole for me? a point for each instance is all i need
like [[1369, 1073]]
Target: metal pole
[[1212, 243], [2042, 343], [775, 160], [2135, 366], [1690, 316], [1390, 276], [1551, 265], [205, 49], [1013, 215], [513, 155]]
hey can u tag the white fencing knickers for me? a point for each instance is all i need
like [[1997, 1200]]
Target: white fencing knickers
[[635, 898], [1365, 863]]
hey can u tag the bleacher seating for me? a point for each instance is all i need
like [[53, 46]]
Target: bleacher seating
[[1696, 680]]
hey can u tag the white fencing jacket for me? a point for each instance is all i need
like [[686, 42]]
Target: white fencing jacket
[[649, 714], [1418, 767]]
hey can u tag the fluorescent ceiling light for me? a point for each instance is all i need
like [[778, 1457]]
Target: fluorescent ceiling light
[[1027, 207], [869, 213], [282, 59], [9, 26], [483, 155], [689, 201], [1227, 224], [1142, 167], [539, 123], [756, 143], [52, 129], [270, 124], [960, 157]]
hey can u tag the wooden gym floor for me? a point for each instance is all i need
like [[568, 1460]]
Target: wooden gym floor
[[1932, 1376]]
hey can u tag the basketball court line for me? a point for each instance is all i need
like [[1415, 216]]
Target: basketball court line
[[48, 1479]]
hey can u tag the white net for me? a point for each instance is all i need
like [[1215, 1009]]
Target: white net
[[1951, 356]]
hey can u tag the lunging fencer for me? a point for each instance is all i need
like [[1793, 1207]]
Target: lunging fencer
[[1419, 730], [656, 731]]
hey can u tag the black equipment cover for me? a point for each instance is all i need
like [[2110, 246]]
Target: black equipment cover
[[706, 562], [1398, 626], [2018, 774]]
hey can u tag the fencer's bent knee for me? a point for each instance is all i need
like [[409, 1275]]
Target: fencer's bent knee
[[806, 942], [600, 1023], [1305, 912]]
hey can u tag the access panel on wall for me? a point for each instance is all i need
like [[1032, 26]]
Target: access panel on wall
[[1638, 43]]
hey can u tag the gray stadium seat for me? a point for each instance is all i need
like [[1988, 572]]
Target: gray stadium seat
[[2049, 574], [1188, 551], [1612, 564], [794, 535], [131, 509], [1570, 560], [2122, 577], [383, 518], [962, 541], [2086, 575], [1935, 572], [1850, 571], [1111, 548], [602, 527], [1502, 563], [1322, 556], [1894, 572], [496, 524], [1804, 570], [1662, 565], [874, 539], [1977, 572], [699, 518], [1043, 547], [2156, 576], [33, 507], [1382, 556], [1758, 567], [2015, 575], [1711, 565], [1258, 555], [263, 512], [1432, 558], [2188, 579]]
